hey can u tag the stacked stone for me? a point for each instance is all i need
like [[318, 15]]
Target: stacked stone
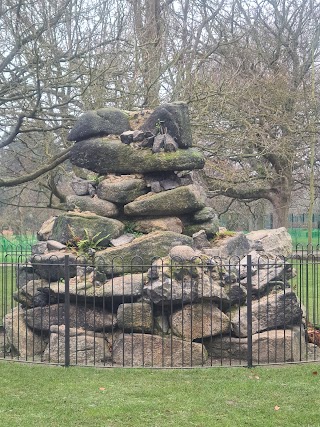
[[186, 307], [145, 174]]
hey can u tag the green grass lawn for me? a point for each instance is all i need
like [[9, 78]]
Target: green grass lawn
[[306, 283], [41, 396]]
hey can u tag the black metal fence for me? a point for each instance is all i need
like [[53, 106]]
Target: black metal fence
[[177, 313]]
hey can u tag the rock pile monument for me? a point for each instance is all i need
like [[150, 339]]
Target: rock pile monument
[[156, 288]]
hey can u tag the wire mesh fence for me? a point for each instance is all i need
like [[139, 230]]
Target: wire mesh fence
[[195, 313]]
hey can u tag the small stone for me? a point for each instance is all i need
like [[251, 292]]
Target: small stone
[[127, 137], [200, 240], [182, 253], [80, 187], [170, 144], [122, 240], [158, 143], [138, 136]]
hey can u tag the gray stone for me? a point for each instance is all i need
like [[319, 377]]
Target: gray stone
[[46, 229], [121, 189], [204, 215], [275, 311], [117, 290], [39, 248], [275, 346], [92, 204], [158, 143], [200, 240], [53, 245], [71, 226], [137, 256], [209, 227], [89, 318], [85, 349], [236, 246], [20, 338], [175, 119], [236, 293], [148, 225], [80, 187], [135, 317], [25, 273], [182, 253], [111, 156], [161, 323], [170, 145], [105, 121], [274, 243], [186, 199], [198, 321], [168, 291], [36, 293], [210, 290], [157, 351], [51, 266], [267, 278], [127, 137], [122, 240]]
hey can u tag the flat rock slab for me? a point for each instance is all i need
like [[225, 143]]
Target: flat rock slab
[[198, 321], [51, 266], [274, 243], [275, 346], [105, 156], [278, 310], [156, 351], [105, 121], [122, 288], [138, 255], [186, 199], [175, 118], [167, 291], [20, 337], [85, 348], [71, 226], [148, 225], [135, 317], [92, 204], [121, 189], [93, 319]]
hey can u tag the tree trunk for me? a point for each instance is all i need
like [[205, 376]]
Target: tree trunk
[[281, 202]]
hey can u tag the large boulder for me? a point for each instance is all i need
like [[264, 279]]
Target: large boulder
[[226, 246], [198, 321], [51, 266], [96, 319], [274, 243], [186, 199], [105, 121], [111, 156], [148, 225], [135, 317], [121, 189], [74, 226], [137, 256], [174, 118], [20, 338], [157, 351], [275, 346], [275, 311], [85, 347], [92, 204]]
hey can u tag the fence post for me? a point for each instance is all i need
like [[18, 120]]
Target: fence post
[[249, 311], [66, 312]]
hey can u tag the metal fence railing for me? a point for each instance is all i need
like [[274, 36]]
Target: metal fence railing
[[206, 312]]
